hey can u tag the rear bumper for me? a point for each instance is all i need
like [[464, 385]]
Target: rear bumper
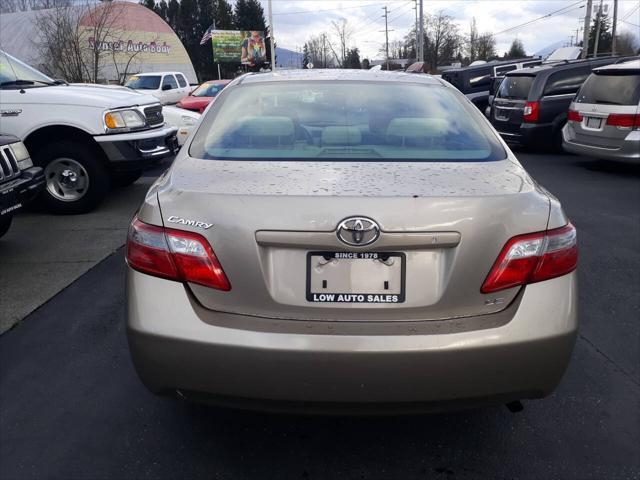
[[137, 150], [174, 349], [627, 149], [528, 134], [16, 193]]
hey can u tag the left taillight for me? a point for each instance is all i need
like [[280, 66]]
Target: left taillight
[[531, 112], [175, 255], [533, 258]]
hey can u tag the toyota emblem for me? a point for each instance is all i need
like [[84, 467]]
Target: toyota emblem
[[358, 231]]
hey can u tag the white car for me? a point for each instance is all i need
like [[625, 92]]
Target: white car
[[168, 87], [85, 137], [183, 120]]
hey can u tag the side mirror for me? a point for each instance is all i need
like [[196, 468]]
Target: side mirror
[[166, 87]]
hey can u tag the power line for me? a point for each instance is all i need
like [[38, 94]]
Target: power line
[[630, 12], [302, 12]]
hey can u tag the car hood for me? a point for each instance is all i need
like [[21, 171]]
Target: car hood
[[90, 95]]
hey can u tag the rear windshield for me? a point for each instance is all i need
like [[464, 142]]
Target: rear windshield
[[515, 87], [146, 82], [350, 121], [610, 90]]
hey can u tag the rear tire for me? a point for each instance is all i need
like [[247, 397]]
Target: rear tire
[[77, 179], [5, 223], [126, 178]]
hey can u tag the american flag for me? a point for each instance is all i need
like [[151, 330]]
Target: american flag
[[207, 35]]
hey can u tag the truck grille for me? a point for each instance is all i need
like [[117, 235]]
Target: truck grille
[[8, 165], [154, 115]]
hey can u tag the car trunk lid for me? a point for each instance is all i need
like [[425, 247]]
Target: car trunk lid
[[443, 224]]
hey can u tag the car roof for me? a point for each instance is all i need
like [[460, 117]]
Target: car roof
[[561, 66], [145, 74], [338, 75], [492, 63], [630, 65]]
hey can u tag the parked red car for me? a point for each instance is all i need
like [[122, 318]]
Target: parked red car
[[202, 96]]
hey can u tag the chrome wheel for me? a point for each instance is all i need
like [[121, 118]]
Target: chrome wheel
[[67, 179]]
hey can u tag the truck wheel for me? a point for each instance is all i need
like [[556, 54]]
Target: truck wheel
[[5, 223], [126, 178], [77, 180]]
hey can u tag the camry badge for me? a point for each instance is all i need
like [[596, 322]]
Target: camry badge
[[358, 231], [191, 223]]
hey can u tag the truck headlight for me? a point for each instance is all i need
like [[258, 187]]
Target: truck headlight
[[123, 119], [21, 154]]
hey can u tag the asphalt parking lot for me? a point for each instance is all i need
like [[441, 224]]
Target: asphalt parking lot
[[71, 405]]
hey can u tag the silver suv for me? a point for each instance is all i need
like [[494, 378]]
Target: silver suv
[[604, 118]]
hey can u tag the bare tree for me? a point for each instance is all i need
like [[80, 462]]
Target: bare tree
[[8, 6], [472, 42], [79, 41], [318, 47], [485, 47], [343, 33], [443, 40]]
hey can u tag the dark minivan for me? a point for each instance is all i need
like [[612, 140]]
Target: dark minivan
[[530, 107], [475, 80]]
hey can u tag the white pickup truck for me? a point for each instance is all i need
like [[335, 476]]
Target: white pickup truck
[[168, 87], [85, 137]]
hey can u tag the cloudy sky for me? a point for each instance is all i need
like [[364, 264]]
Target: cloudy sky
[[296, 20]]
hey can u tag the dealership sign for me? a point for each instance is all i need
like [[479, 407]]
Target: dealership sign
[[246, 47], [130, 46]]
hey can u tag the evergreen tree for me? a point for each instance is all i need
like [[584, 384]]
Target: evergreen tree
[[366, 64], [352, 59], [604, 42], [305, 56], [516, 50], [249, 15], [150, 4]]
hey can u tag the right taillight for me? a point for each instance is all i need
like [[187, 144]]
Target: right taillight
[[531, 113], [533, 258], [574, 116], [624, 121], [174, 254]]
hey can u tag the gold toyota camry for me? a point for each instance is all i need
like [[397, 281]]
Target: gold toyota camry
[[352, 240]]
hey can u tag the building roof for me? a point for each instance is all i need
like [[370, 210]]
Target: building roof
[[137, 27]]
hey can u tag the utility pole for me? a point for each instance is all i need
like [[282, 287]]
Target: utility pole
[[613, 27], [421, 41], [324, 50], [577, 33], [386, 34], [598, 24], [416, 9], [587, 28], [272, 43]]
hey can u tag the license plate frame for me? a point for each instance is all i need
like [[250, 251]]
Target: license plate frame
[[368, 298], [594, 122]]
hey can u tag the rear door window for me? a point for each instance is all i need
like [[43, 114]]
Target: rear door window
[[515, 87], [566, 82], [181, 80], [610, 90]]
